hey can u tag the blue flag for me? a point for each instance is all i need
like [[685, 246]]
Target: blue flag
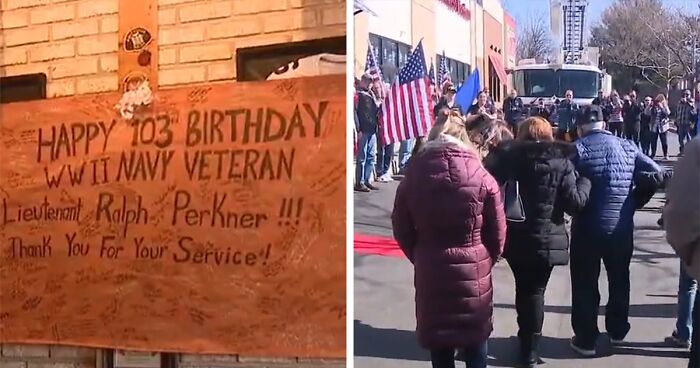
[[469, 91]]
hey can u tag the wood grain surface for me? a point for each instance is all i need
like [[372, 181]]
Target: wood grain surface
[[213, 222]]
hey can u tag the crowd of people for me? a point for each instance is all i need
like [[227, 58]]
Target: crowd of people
[[540, 186], [371, 156], [645, 122]]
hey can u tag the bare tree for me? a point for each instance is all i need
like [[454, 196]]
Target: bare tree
[[534, 41], [643, 35]]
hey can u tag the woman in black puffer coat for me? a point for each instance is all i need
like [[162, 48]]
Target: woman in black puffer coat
[[549, 187]]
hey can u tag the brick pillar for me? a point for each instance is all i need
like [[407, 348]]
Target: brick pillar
[[44, 356]]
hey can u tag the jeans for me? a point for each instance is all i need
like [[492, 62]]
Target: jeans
[[384, 157], [694, 361], [405, 152], [474, 357], [655, 137], [586, 255], [530, 284], [687, 289], [632, 133], [645, 141], [684, 135], [366, 154]]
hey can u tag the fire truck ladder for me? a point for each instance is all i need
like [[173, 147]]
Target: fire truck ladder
[[574, 17]]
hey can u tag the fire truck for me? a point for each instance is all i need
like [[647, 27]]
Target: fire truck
[[550, 81], [575, 68]]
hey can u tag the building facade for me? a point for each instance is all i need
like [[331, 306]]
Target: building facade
[[494, 49], [75, 43], [511, 42], [444, 26], [471, 34], [51, 48]]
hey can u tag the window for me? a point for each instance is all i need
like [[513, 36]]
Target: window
[[548, 83], [23, 88], [391, 55], [258, 63], [583, 83], [404, 54], [494, 84], [459, 71]]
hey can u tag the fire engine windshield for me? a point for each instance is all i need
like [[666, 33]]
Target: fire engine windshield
[[535, 82], [548, 83], [584, 83]]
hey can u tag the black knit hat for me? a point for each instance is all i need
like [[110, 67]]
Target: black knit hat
[[591, 114]]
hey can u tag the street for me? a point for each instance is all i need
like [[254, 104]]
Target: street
[[384, 306]]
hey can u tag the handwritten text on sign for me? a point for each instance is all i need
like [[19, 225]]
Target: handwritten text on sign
[[212, 222]]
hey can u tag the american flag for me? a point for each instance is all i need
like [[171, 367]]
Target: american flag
[[407, 111], [431, 72], [445, 75], [371, 65]]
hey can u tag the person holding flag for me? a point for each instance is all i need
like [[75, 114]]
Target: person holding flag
[[444, 75], [448, 99], [435, 94], [408, 110], [481, 108], [368, 106], [367, 114]]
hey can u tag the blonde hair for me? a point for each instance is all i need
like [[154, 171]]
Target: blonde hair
[[660, 98], [535, 129], [453, 126]]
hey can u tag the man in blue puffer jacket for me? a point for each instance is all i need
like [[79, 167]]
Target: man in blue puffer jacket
[[604, 229]]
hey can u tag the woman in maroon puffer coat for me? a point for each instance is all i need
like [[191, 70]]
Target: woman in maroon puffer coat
[[448, 219]]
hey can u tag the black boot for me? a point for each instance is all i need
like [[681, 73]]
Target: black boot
[[529, 345]]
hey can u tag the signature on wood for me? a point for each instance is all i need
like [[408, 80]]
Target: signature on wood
[[198, 95], [287, 89]]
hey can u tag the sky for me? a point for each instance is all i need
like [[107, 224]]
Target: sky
[[521, 10]]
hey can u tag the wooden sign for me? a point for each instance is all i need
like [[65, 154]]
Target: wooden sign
[[211, 222]]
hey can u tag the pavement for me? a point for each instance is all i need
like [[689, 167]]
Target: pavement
[[385, 315]]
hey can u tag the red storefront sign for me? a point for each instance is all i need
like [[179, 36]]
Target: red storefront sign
[[458, 7]]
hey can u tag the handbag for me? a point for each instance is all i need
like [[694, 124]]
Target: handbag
[[512, 203]]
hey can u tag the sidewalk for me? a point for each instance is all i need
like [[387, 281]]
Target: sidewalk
[[384, 306]]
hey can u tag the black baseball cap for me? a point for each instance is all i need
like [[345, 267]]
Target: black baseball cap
[[592, 114]]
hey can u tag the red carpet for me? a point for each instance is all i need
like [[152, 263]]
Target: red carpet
[[377, 245]]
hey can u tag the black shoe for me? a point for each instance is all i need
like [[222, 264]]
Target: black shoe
[[361, 188], [529, 346], [585, 351], [370, 186]]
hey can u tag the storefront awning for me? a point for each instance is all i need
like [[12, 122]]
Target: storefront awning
[[360, 7], [498, 67]]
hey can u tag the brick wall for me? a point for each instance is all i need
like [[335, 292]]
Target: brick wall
[[43, 356], [198, 43], [74, 42]]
